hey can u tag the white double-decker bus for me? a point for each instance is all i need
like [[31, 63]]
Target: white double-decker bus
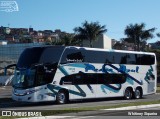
[[58, 73]]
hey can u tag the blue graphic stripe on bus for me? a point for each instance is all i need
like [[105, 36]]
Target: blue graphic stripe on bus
[[129, 76], [80, 93], [122, 70], [53, 88], [111, 88], [105, 70], [90, 67], [149, 75], [77, 65], [130, 81], [90, 87], [63, 70], [57, 88]]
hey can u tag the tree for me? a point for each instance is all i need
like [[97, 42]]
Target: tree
[[66, 40], [158, 34], [118, 46], [89, 31], [137, 34]]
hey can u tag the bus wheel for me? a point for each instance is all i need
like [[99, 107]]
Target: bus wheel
[[61, 97], [128, 94], [138, 93]]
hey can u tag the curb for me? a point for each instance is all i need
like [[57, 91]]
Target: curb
[[134, 107]]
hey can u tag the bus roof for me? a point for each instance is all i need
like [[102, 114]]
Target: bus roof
[[99, 49], [111, 50]]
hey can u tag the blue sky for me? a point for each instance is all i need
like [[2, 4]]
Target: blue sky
[[67, 14]]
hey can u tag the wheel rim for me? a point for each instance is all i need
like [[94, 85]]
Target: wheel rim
[[61, 98], [137, 93], [128, 94]]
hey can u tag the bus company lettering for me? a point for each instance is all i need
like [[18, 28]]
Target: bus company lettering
[[104, 69], [124, 69], [74, 60]]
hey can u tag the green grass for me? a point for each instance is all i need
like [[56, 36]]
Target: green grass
[[10, 117]]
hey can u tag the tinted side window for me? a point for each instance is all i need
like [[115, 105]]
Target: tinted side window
[[131, 59], [40, 73], [95, 56], [50, 70], [147, 59], [79, 79], [117, 58], [45, 74], [29, 56], [120, 58], [90, 78], [72, 55], [67, 80], [138, 59], [134, 59], [118, 78], [111, 78], [104, 79], [78, 55], [93, 78], [51, 55]]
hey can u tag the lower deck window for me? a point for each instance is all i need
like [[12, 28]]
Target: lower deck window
[[93, 78]]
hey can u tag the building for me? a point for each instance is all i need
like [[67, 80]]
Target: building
[[2, 30], [102, 41], [10, 53], [155, 45]]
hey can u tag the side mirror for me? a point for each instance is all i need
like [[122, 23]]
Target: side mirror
[[9, 66]]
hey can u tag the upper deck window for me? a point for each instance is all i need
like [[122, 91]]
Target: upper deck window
[[106, 57]]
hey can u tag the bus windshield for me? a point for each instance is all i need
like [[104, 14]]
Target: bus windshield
[[35, 76], [39, 55], [37, 66], [24, 78]]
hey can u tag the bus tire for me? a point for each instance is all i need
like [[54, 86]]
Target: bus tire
[[62, 97], [138, 93], [128, 94]]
